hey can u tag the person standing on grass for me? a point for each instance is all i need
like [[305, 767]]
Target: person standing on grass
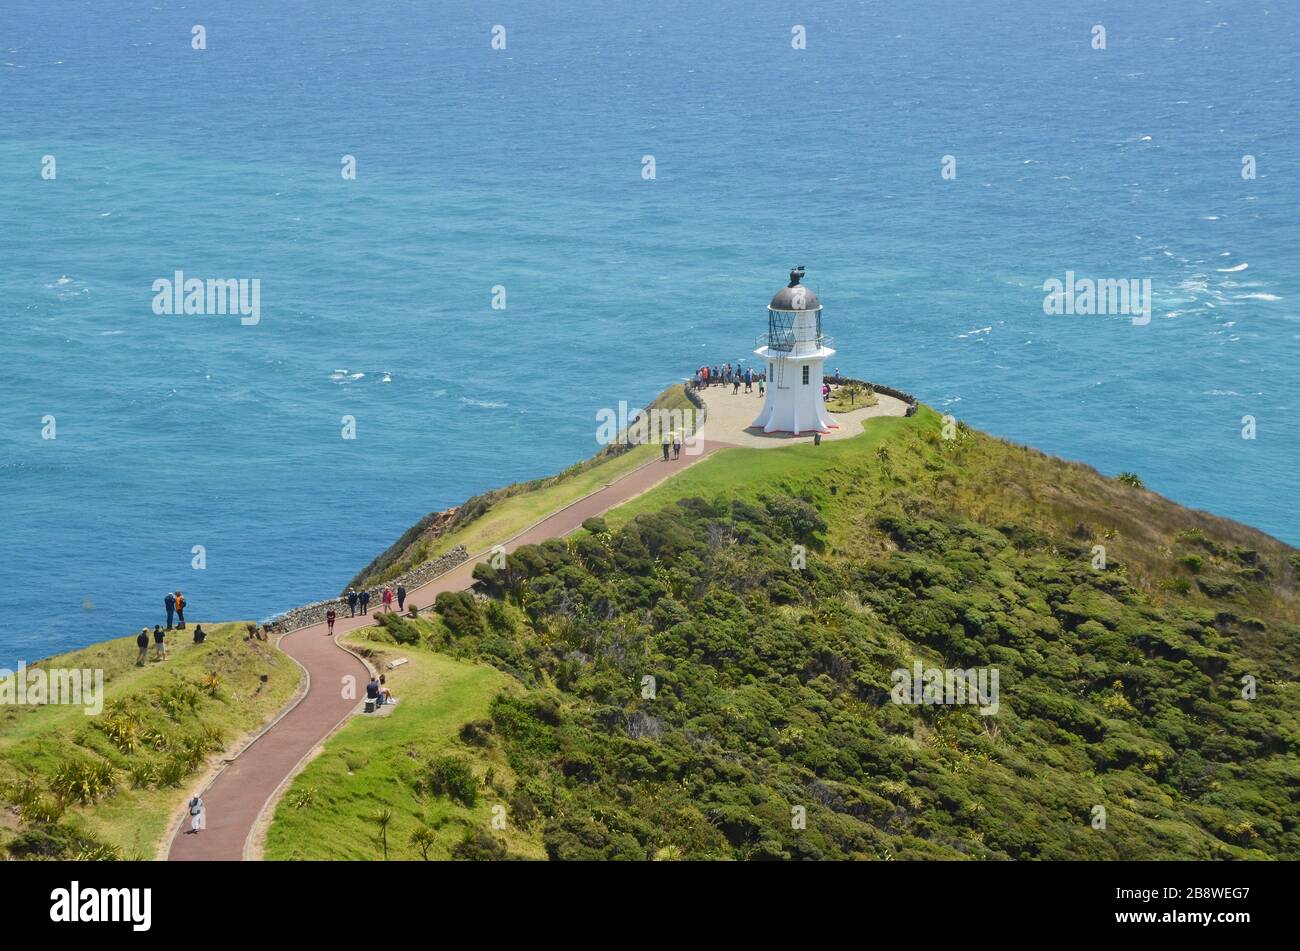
[[160, 642], [387, 597], [365, 601], [198, 815], [401, 598], [169, 603], [180, 610], [352, 602], [142, 642], [329, 621]]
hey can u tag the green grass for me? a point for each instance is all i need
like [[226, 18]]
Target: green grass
[[842, 402], [35, 741], [746, 473], [376, 763], [503, 513]]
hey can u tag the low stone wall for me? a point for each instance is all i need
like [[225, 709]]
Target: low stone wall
[[314, 613], [697, 401], [907, 398]]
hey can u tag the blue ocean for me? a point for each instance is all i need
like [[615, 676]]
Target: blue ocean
[[524, 169]]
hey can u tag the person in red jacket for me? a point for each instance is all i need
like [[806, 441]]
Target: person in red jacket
[[388, 599]]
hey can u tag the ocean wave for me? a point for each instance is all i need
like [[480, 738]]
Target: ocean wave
[[1234, 269], [1257, 296], [484, 404]]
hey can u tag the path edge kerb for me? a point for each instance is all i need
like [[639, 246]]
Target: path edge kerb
[[255, 841], [305, 687]]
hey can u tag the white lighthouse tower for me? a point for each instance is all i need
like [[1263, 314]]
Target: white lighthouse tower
[[794, 350]]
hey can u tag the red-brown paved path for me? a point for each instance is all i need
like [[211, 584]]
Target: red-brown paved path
[[237, 796]]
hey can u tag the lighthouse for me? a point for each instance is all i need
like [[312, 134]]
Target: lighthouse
[[794, 351]]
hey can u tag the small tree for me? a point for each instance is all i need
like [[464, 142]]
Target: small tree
[[423, 839], [382, 818]]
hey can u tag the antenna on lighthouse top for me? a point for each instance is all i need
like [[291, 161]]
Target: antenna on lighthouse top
[[796, 275]]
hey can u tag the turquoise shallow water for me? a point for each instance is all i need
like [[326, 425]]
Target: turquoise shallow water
[[522, 168]]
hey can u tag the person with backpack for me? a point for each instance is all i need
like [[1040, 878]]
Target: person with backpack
[[198, 814], [365, 601], [160, 642], [169, 603], [329, 621], [352, 602], [142, 642], [180, 610], [401, 598]]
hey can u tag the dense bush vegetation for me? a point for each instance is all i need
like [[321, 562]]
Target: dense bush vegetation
[[696, 694]]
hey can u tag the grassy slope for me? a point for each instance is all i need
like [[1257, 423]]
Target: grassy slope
[[375, 763], [1110, 673], [36, 741], [514, 508]]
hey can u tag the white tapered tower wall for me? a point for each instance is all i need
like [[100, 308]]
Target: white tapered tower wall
[[795, 366]]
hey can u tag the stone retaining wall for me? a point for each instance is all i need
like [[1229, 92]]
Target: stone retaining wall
[[314, 613], [907, 398]]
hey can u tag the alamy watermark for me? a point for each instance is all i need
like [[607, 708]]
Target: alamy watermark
[[36, 686], [637, 427], [934, 686], [193, 295], [1127, 297]]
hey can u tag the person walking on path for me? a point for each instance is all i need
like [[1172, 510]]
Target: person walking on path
[[329, 621], [387, 597], [352, 602], [749, 379], [169, 603], [160, 642], [762, 388], [677, 445], [180, 610], [142, 642], [198, 815], [667, 445], [200, 635], [401, 598], [365, 601]]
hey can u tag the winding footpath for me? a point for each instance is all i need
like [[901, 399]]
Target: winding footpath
[[243, 792]]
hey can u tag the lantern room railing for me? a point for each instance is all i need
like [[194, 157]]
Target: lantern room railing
[[786, 341]]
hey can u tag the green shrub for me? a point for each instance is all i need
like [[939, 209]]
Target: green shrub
[[453, 777], [460, 613]]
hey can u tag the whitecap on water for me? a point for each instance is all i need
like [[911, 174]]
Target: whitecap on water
[[1234, 269], [1268, 297], [483, 404]]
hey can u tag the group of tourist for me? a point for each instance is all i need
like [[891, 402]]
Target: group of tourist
[[727, 375], [361, 599], [174, 603], [160, 642], [377, 691]]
